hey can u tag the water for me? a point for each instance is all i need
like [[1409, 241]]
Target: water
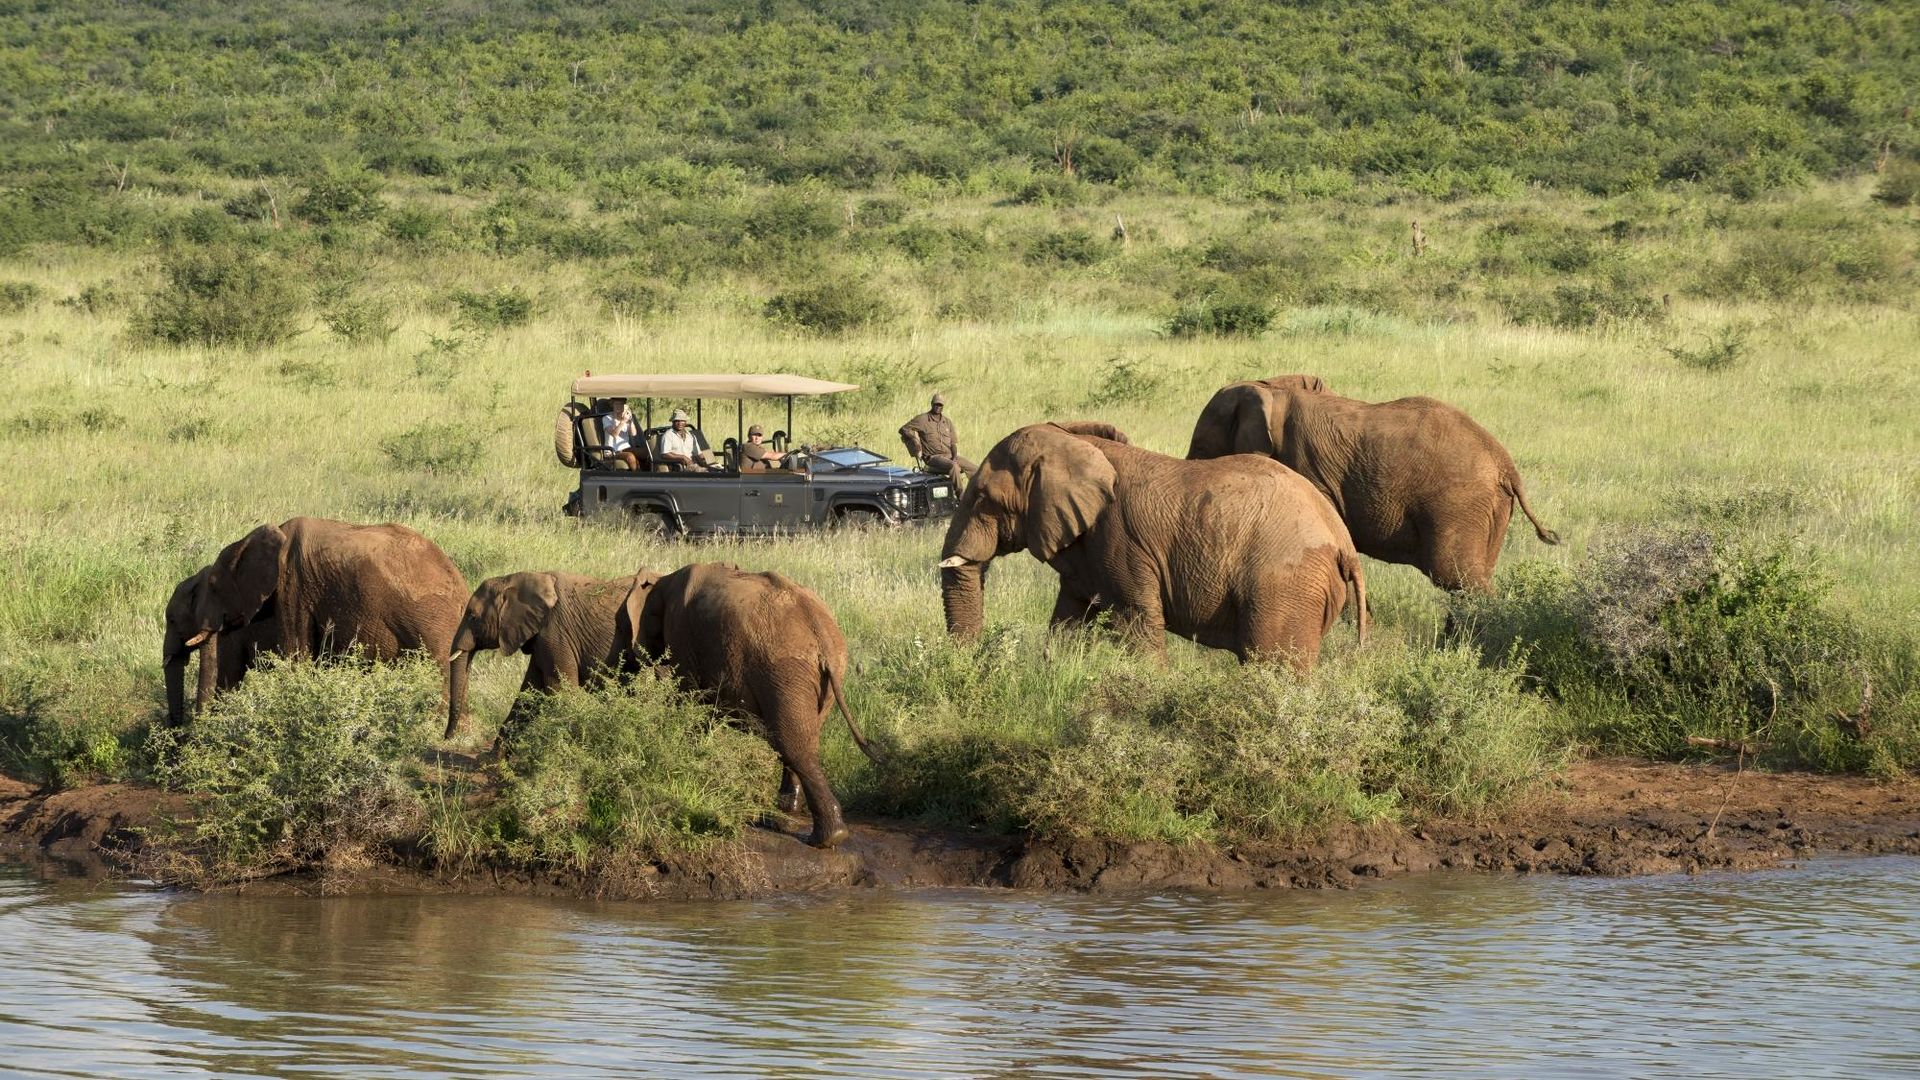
[[1809, 972]]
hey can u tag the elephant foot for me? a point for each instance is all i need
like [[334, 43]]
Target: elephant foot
[[830, 837]]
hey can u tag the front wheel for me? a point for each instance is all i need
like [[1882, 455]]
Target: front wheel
[[859, 519]]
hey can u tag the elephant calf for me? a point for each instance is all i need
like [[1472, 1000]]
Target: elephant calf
[[1415, 480], [767, 649], [1237, 554], [575, 630]]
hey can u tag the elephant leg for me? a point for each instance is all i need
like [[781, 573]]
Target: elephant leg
[[1143, 628], [829, 827], [1455, 556], [789, 801], [1072, 610], [517, 712]]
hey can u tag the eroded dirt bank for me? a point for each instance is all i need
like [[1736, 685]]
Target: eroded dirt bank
[[1601, 817]]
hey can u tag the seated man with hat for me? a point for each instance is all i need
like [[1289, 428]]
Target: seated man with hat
[[678, 447], [756, 454], [931, 437]]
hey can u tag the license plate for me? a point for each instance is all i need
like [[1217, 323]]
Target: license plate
[[942, 492]]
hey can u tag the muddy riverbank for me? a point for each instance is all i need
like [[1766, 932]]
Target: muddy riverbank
[[1611, 817]]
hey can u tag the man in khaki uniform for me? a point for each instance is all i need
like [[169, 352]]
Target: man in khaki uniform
[[930, 437]]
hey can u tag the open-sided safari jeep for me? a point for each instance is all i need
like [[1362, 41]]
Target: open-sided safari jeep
[[810, 487]]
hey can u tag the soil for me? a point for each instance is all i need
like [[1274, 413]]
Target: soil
[[1608, 817]]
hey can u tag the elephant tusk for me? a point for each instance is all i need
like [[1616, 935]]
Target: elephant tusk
[[194, 641], [952, 562], [455, 656]]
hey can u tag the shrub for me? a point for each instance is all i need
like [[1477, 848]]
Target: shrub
[[300, 764], [1220, 317], [1722, 349], [1899, 184], [492, 309], [1127, 379], [220, 297], [1066, 247], [636, 296], [1582, 306], [414, 225], [633, 772], [436, 446], [1051, 189], [830, 307], [1703, 631], [18, 296], [340, 197], [360, 318], [43, 739]]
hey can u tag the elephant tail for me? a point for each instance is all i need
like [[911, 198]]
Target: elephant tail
[[1350, 571], [840, 699], [1519, 493]]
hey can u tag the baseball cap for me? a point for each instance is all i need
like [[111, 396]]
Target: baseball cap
[[756, 430], [939, 399]]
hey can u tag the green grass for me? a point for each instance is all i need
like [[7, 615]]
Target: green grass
[[135, 462]]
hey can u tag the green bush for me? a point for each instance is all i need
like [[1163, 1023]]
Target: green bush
[[637, 296], [628, 773], [1722, 349], [1899, 185], [1582, 306], [492, 309], [1051, 189], [830, 307], [360, 318], [221, 297], [1707, 632], [300, 764], [18, 296], [44, 739], [1127, 379], [1066, 247], [1220, 317], [341, 197], [435, 446]]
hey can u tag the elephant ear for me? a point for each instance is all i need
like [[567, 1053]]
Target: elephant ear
[[1069, 483], [244, 575], [1307, 384], [635, 609], [651, 636], [524, 609]]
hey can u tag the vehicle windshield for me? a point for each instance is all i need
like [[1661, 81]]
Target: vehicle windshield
[[851, 457]]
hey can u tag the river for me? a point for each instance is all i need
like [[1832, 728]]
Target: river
[[1811, 971]]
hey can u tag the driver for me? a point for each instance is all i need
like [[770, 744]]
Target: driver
[[756, 454], [679, 446]]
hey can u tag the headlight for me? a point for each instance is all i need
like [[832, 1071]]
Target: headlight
[[897, 496]]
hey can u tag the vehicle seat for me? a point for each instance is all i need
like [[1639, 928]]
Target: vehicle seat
[[593, 442]]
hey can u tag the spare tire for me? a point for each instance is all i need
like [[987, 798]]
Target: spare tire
[[566, 431]]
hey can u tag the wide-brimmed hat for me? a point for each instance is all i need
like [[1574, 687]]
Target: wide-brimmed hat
[[939, 399], [678, 414]]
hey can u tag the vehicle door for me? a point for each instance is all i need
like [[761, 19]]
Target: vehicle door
[[710, 502], [775, 500]]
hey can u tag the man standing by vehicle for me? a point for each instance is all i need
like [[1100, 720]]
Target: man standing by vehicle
[[931, 438], [678, 447]]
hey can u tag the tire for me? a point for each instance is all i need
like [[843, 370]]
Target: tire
[[859, 519], [564, 432], [651, 522]]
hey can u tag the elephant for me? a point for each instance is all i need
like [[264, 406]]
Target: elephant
[[1416, 480], [761, 647], [327, 587], [1238, 554], [243, 647], [575, 630]]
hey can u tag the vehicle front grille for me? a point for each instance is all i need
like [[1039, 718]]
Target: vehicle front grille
[[919, 502]]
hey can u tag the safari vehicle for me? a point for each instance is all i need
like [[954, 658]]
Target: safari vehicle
[[815, 487]]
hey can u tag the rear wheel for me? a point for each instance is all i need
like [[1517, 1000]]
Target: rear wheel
[[651, 521]]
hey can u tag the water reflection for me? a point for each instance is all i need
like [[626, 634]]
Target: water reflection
[[1729, 975]]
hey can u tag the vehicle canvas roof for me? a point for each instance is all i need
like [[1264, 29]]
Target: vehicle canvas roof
[[705, 386]]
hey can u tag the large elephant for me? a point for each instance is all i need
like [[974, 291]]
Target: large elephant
[[1237, 554], [328, 587], [575, 630], [763, 647], [1416, 480]]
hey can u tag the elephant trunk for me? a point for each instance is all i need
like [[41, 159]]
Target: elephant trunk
[[457, 690], [962, 595], [209, 684], [175, 665]]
